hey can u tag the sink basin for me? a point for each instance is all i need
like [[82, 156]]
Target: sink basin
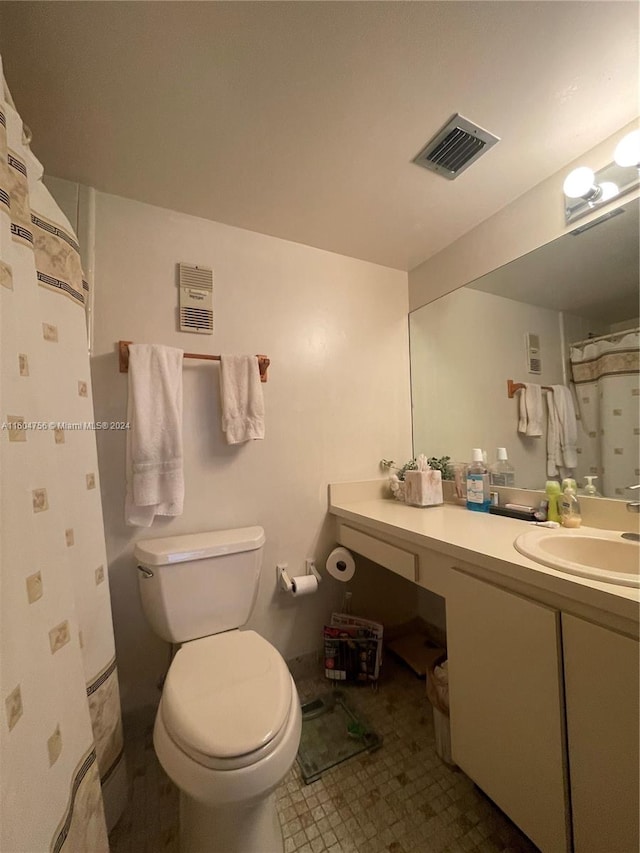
[[600, 554]]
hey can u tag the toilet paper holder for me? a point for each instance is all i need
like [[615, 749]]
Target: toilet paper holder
[[286, 582]]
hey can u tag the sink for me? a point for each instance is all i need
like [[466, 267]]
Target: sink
[[600, 554]]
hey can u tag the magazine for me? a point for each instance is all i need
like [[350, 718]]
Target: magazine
[[352, 648]]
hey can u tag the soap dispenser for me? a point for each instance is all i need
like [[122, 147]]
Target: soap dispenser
[[569, 505], [502, 472], [590, 489]]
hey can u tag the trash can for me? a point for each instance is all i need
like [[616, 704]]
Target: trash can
[[438, 696]]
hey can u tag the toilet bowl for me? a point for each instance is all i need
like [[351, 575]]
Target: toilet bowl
[[228, 725], [226, 732]]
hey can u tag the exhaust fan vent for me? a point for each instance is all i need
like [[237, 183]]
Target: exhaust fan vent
[[455, 147], [196, 299]]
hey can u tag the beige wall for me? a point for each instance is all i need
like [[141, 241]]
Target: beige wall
[[337, 401], [532, 220]]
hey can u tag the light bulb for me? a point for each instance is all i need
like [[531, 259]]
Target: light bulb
[[627, 151], [609, 190], [579, 183]]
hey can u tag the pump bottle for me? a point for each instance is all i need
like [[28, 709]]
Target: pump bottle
[[502, 471], [569, 505]]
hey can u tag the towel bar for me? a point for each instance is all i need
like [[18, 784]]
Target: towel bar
[[512, 387], [123, 353]]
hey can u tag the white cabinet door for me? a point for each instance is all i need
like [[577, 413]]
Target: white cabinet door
[[602, 699], [505, 691]]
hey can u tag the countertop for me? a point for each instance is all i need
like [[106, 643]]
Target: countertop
[[477, 539]]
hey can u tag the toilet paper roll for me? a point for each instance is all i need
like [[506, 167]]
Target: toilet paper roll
[[304, 585], [341, 565]]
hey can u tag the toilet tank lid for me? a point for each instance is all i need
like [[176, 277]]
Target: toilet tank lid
[[198, 546]]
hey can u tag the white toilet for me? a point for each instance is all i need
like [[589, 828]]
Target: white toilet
[[228, 726]]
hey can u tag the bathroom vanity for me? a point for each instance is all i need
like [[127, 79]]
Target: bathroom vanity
[[543, 666]]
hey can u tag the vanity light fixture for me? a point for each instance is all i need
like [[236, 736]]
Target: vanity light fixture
[[585, 190], [627, 151]]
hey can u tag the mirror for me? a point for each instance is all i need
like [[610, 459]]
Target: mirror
[[467, 344]]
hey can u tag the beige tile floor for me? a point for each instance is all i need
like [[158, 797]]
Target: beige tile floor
[[399, 799]]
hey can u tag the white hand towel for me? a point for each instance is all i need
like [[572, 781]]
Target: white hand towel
[[155, 479], [530, 410], [554, 452], [568, 427], [562, 433], [242, 400]]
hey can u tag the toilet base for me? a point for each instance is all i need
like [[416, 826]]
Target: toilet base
[[241, 828]]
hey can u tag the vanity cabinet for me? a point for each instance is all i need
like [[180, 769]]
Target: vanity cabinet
[[505, 691], [544, 670], [602, 698]]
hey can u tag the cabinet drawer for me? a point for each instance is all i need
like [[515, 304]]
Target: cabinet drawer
[[401, 562]]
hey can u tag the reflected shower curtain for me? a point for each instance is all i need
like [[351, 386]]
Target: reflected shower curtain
[[606, 376], [61, 732]]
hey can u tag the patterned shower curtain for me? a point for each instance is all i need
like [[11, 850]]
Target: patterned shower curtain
[[61, 736], [605, 373]]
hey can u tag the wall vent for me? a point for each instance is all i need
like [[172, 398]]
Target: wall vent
[[455, 147], [534, 357], [196, 299]]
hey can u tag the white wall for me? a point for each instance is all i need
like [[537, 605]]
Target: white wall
[[532, 220], [464, 347], [337, 401]]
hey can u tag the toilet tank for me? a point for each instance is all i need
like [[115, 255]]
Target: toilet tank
[[200, 584]]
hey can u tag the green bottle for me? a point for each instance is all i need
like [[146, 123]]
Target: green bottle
[[553, 492]]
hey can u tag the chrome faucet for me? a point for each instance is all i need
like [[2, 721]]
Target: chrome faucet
[[633, 506]]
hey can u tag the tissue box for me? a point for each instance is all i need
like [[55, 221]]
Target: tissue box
[[423, 488]]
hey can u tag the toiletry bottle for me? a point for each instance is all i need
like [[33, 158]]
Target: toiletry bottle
[[570, 506], [552, 490], [590, 489], [502, 471], [478, 497]]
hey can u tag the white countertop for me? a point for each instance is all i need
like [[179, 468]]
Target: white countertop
[[478, 539]]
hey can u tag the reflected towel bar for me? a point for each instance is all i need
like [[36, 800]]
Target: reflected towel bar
[[512, 387], [123, 353]]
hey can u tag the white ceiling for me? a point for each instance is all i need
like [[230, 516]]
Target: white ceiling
[[300, 119]]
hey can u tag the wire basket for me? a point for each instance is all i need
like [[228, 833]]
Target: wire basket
[[352, 649]]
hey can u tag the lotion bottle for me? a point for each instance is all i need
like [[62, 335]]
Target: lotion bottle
[[570, 506], [478, 495]]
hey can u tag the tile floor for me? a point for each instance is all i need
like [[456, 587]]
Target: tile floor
[[399, 799]]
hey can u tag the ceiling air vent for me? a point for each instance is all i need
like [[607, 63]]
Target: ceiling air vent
[[454, 148], [196, 299]]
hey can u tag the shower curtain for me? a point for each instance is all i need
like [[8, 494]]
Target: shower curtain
[[61, 736], [605, 373]]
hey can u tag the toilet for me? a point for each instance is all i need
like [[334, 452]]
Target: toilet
[[228, 725]]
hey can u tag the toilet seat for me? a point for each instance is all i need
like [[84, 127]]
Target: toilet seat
[[227, 699]]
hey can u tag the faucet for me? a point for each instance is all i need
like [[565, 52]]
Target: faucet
[[633, 506]]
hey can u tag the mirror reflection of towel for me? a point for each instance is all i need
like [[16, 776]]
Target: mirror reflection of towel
[[530, 410], [562, 432]]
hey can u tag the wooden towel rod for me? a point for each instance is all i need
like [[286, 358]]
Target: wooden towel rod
[[512, 387], [123, 352]]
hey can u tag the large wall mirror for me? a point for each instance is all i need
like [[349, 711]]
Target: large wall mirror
[[580, 296]]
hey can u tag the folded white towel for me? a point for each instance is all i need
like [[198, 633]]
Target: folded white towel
[[562, 432], [530, 410], [155, 479], [242, 400]]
